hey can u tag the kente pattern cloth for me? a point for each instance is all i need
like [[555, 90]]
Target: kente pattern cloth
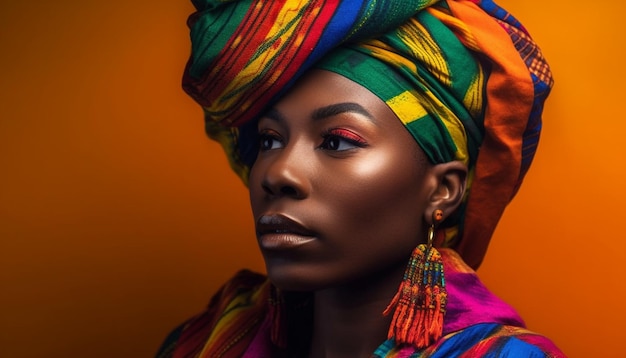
[[480, 340], [225, 329], [464, 76], [477, 324]]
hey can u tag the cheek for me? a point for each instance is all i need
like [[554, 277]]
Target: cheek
[[379, 192], [375, 219], [255, 190]]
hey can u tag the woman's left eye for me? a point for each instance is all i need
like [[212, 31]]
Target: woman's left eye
[[269, 140], [341, 140]]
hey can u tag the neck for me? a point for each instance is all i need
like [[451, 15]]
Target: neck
[[348, 320]]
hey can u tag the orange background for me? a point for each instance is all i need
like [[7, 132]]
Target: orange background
[[118, 218]]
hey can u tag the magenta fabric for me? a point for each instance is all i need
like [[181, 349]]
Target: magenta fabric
[[469, 301]]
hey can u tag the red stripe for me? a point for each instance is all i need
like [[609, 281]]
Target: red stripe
[[232, 59], [289, 62]]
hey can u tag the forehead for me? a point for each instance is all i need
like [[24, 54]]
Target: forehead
[[319, 88]]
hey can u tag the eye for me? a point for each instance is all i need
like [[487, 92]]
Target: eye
[[338, 139], [269, 140]]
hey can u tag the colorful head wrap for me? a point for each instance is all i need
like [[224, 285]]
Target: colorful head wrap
[[463, 76]]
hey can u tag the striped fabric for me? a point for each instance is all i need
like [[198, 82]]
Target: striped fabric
[[246, 53], [480, 340], [238, 323], [227, 326], [456, 95], [464, 76]]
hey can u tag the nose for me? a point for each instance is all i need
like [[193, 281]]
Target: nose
[[286, 174]]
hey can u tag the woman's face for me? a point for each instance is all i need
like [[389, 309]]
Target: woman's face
[[339, 188]]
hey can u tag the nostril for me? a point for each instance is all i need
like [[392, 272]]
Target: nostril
[[288, 191], [267, 188], [285, 190]]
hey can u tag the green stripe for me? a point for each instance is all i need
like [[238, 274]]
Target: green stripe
[[214, 28]]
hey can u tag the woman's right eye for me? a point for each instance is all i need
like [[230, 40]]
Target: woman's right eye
[[269, 141]]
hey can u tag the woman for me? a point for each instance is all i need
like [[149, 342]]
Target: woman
[[381, 141]]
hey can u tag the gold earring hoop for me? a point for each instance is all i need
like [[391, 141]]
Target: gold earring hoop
[[437, 217], [420, 302]]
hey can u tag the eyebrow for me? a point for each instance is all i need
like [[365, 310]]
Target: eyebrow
[[274, 115], [339, 108], [325, 112]]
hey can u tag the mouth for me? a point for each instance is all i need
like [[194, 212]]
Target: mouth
[[279, 232]]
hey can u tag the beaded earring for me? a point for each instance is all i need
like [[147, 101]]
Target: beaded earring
[[419, 304]]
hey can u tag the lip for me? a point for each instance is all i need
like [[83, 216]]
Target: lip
[[280, 232]]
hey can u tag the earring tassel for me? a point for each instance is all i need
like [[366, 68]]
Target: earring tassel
[[419, 305]]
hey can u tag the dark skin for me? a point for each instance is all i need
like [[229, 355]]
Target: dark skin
[[341, 194]]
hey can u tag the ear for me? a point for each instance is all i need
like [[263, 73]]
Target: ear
[[449, 190]]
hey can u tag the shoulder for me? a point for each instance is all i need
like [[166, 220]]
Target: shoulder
[[239, 292], [495, 340]]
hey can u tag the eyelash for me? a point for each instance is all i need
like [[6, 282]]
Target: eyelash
[[265, 135], [334, 133], [345, 135]]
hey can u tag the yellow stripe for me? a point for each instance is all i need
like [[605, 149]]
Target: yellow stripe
[[388, 55], [457, 132], [287, 16], [407, 107], [412, 106], [425, 49], [473, 100]]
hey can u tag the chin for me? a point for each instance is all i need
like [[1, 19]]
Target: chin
[[297, 278]]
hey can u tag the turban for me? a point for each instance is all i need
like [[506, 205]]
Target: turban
[[464, 77]]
